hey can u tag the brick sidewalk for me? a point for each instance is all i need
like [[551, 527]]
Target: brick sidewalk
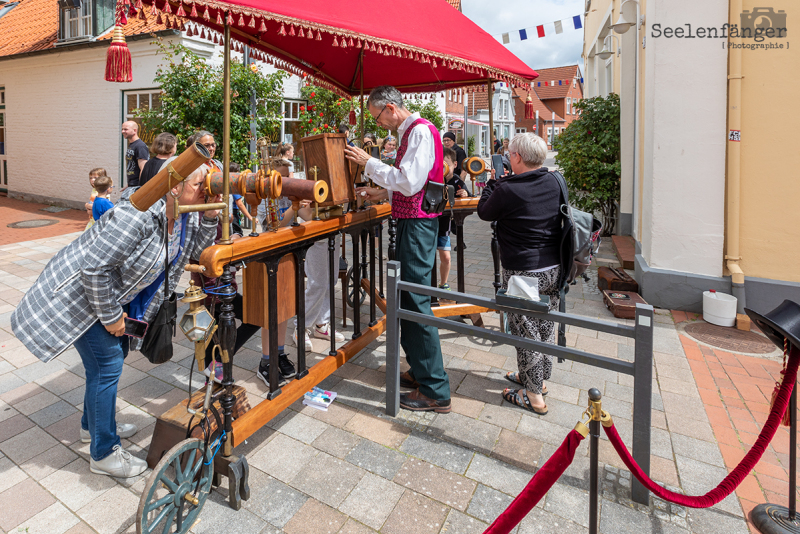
[[736, 390], [12, 211]]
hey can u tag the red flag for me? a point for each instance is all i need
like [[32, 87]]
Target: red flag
[[540, 30]]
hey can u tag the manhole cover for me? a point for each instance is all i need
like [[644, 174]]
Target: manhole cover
[[33, 223], [54, 209], [730, 339]]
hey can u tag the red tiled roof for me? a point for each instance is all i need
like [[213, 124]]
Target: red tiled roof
[[557, 73], [455, 3], [545, 113], [33, 25]]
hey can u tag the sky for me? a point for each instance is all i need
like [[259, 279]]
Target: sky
[[553, 50]]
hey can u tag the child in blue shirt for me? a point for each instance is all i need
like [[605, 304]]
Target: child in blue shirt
[[102, 204]]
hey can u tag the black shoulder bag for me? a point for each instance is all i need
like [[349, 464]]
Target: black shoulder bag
[[435, 197], [157, 343]]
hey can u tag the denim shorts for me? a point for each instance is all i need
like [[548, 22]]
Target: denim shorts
[[443, 242]]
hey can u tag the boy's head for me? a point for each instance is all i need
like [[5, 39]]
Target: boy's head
[[164, 144], [95, 173], [234, 167], [102, 184], [449, 156]]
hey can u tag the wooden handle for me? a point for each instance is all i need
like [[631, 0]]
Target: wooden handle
[[169, 176], [194, 268]]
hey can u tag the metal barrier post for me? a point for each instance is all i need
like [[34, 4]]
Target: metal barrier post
[[594, 457], [642, 397], [392, 339]]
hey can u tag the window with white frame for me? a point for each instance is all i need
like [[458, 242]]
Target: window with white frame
[[83, 19], [569, 112], [3, 141], [521, 130], [290, 130], [574, 83]]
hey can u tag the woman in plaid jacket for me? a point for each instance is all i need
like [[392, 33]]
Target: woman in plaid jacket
[[89, 287]]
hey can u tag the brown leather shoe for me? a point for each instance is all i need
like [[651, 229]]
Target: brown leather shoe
[[407, 381], [417, 402]]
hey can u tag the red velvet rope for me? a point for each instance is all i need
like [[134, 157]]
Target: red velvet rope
[[541, 482], [732, 481]]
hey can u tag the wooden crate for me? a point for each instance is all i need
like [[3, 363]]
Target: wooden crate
[[326, 152], [255, 292]]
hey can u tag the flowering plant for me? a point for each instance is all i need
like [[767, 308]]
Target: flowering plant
[[324, 112]]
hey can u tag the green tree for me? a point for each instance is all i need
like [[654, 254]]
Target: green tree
[[589, 156], [191, 100]]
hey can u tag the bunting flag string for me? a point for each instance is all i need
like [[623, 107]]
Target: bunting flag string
[[558, 27]]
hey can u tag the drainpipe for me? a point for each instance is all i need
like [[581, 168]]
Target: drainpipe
[[733, 256]]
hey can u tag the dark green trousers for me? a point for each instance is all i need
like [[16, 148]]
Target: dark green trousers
[[416, 252]]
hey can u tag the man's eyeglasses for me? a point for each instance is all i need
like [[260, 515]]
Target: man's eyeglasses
[[381, 113]]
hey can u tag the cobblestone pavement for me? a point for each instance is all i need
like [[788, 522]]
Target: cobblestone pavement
[[354, 470]]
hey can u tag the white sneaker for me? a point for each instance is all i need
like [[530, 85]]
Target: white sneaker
[[120, 464], [124, 430], [307, 343], [324, 332]]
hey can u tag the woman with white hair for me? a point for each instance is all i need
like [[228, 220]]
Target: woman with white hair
[[113, 270], [526, 205]]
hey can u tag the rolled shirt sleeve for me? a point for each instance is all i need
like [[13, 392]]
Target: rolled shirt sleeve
[[410, 177]]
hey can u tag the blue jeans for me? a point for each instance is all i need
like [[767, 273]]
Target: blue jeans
[[102, 354]]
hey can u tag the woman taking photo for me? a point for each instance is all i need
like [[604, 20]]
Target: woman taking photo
[[88, 289], [526, 206]]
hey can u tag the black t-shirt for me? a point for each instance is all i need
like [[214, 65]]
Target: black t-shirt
[[150, 169], [444, 219], [136, 151], [461, 155]]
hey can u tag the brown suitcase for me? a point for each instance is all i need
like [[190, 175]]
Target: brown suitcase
[[622, 303], [615, 280]]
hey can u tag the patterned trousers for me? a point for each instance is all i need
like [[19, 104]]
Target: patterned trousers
[[535, 367]]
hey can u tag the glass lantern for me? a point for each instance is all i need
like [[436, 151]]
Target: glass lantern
[[197, 322]]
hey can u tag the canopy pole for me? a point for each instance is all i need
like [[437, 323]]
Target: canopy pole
[[226, 135], [361, 77], [489, 91]]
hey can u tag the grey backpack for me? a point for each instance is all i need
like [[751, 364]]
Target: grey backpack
[[580, 237]]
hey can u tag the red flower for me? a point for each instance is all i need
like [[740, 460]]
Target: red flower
[[310, 121], [326, 126], [302, 108], [321, 114], [312, 95]]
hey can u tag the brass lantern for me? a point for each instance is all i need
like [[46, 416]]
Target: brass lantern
[[197, 323]]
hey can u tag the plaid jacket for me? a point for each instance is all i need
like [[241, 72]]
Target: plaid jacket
[[84, 282]]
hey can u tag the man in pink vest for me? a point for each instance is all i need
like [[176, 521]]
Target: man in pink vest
[[419, 159]]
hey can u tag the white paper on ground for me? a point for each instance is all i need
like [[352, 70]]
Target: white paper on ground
[[526, 287]]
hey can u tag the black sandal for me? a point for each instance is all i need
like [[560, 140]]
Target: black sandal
[[512, 396], [513, 377]]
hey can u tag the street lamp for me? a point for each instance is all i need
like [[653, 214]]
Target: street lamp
[[623, 24], [605, 53]]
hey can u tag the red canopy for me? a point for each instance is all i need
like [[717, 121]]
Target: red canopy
[[414, 45]]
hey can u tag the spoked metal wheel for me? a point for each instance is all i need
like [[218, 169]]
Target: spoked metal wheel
[[353, 287], [176, 490]]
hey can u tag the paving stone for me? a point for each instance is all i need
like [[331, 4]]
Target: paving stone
[[60, 382], [460, 523], [710, 520], [144, 391], [49, 461], [301, 427], [123, 502], [328, 479], [681, 387], [372, 500], [438, 452], [376, 459], [461, 430], [26, 445], [336, 442], [435, 482], [497, 475], [354, 527], [21, 502], [315, 517], [687, 426], [542, 429], [501, 416], [379, 430], [35, 403], [10, 474], [482, 389], [618, 519], [217, 516], [520, 451], [75, 396], [488, 503], [67, 430], [696, 449], [467, 406], [14, 426], [52, 414], [272, 500], [684, 406], [698, 477], [540, 521], [569, 503], [415, 513], [283, 457], [55, 519], [338, 415], [660, 443]]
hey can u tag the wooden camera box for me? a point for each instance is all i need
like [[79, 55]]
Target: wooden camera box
[[326, 153]]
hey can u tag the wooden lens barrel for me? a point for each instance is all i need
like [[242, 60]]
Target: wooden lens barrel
[[299, 189], [262, 184], [160, 184]]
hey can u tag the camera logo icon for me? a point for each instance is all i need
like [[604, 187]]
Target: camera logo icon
[[763, 18]]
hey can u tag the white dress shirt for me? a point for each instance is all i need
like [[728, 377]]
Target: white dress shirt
[[417, 162]]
